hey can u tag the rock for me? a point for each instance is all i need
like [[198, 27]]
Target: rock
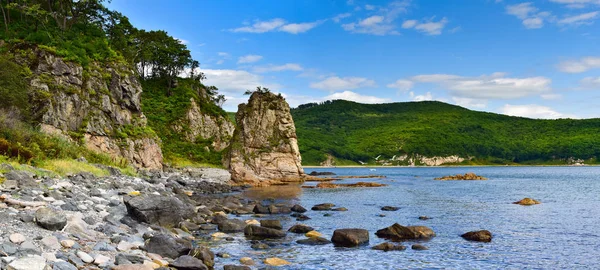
[[50, 219], [161, 210], [86, 258], [314, 241], [236, 267], [167, 246], [323, 207], [232, 226], [271, 223], [302, 218], [264, 123], [390, 208], [398, 232], [271, 209], [276, 262], [466, 176], [101, 260], [247, 261], [256, 232], [223, 255], [17, 238], [252, 222], [350, 237], [340, 209], [28, 263], [104, 246], [298, 209], [30, 248], [51, 242], [188, 263], [188, 226], [478, 236], [133, 267], [527, 201], [419, 247], [315, 173], [387, 246], [23, 179], [424, 218], [300, 228], [62, 265], [205, 255], [260, 246], [8, 248], [313, 234], [354, 185], [68, 243]]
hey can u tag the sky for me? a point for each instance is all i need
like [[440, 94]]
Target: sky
[[538, 59]]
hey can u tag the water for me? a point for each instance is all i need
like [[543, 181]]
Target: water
[[561, 233]]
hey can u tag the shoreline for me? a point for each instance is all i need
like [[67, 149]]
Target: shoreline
[[447, 166]]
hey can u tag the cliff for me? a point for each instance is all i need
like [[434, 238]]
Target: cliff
[[264, 147], [97, 105]]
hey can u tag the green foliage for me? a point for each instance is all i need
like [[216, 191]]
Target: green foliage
[[361, 132], [14, 85]]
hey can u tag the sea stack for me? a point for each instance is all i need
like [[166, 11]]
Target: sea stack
[[264, 147]]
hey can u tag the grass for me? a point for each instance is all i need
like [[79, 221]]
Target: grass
[[177, 162], [64, 167]]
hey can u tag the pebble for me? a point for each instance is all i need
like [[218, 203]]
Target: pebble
[[85, 257], [101, 260], [17, 238], [51, 242], [68, 243], [247, 261]]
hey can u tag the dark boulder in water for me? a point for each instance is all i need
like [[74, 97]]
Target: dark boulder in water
[[387, 246], [350, 237], [478, 236], [257, 232], [314, 241], [301, 228], [323, 207], [298, 209], [271, 223], [315, 173], [390, 208], [398, 232]]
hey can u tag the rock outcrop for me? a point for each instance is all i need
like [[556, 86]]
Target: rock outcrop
[[97, 105], [264, 147], [466, 176]]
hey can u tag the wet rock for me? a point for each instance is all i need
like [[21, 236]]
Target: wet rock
[[315, 173], [28, 263], [167, 246], [314, 241], [188, 263], [276, 262], [204, 254], [340, 209], [398, 232], [162, 210], [527, 201], [390, 208], [232, 226], [350, 237], [323, 207], [300, 228], [260, 246], [466, 176], [313, 234], [302, 217], [50, 219], [387, 246], [478, 236], [419, 247], [236, 267], [208, 227], [271, 223], [188, 226], [247, 261], [256, 232], [424, 218], [298, 209]]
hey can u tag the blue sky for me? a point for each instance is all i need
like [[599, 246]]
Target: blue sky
[[538, 59]]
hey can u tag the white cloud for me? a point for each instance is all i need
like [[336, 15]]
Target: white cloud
[[551, 96], [531, 18], [428, 27], [402, 85], [234, 82], [369, 7], [470, 102], [223, 54], [590, 82], [579, 66], [409, 24], [335, 83], [427, 96], [494, 86], [277, 24], [339, 17], [584, 18], [352, 96], [577, 3], [380, 24], [251, 58], [532, 111], [533, 23], [220, 62], [275, 68]]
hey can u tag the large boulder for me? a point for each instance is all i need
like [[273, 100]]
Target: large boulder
[[527, 201], [271, 223], [314, 241], [232, 226], [188, 263], [350, 237], [50, 219], [398, 232], [264, 148], [323, 207], [161, 210], [478, 236], [205, 255], [167, 246], [301, 228], [257, 232]]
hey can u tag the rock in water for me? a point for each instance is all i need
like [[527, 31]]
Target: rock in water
[[165, 211], [264, 147], [390, 208], [188, 263], [298, 208], [271, 223], [50, 219], [300, 228], [527, 201], [314, 241], [398, 232], [387, 246], [167, 246], [466, 176], [256, 232], [276, 262], [478, 236], [350, 237]]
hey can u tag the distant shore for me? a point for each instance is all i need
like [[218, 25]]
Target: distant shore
[[447, 166]]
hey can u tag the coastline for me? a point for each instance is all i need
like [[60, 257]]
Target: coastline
[[446, 166]]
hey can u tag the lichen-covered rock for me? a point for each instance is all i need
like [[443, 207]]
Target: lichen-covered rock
[[97, 104], [264, 147]]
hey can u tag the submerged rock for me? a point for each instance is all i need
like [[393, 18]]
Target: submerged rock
[[358, 184], [398, 232], [300, 228], [466, 176], [276, 262], [527, 201], [419, 247], [387, 246], [256, 232], [390, 208], [323, 207], [478, 236], [350, 237], [314, 241]]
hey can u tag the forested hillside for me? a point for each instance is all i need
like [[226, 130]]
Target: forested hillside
[[353, 133]]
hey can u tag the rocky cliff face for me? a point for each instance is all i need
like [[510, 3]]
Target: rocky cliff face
[[198, 124], [264, 147], [99, 105]]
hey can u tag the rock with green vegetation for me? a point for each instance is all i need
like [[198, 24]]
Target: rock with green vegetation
[[264, 147]]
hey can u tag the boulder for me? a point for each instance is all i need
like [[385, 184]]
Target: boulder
[[315, 173], [298, 209], [300, 228], [387, 246], [256, 232], [167, 246], [161, 210], [236, 267], [276, 262], [478, 236], [350, 237], [390, 208], [527, 201], [323, 207], [28, 263], [271, 209], [398, 232], [188, 263], [314, 241], [205, 255], [271, 223], [232, 226], [466, 176], [419, 247], [50, 219], [23, 179]]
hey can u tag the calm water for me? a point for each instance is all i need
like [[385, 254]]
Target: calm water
[[561, 233]]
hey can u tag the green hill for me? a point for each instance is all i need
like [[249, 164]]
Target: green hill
[[353, 133]]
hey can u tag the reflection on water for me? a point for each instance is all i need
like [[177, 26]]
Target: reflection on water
[[284, 192]]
